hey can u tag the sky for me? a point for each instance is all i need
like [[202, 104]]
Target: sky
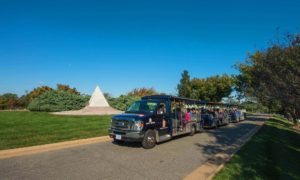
[[121, 45]]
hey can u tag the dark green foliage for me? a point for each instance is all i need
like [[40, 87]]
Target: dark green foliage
[[184, 87], [254, 107], [54, 101], [212, 89], [273, 153], [36, 92], [21, 129], [273, 76], [122, 102]]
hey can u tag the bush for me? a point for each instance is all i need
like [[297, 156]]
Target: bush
[[55, 101], [122, 102], [8, 101], [255, 107]]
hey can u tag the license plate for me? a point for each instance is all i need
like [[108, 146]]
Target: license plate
[[118, 137]]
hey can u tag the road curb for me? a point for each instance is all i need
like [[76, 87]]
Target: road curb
[[50, 147], [211, 167]]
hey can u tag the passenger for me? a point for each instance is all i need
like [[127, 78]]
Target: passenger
[[178, 114], [211, 111], [216, 113], [194, 111], [179, 117], [183, 114], [188, 116], [193, 114]]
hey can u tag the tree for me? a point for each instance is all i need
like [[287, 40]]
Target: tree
[[122, 102], [37, 92], [254, 106], [184, 87], [67, 88], [140, 92], [107, 95], [273, 76], [23, 102], [8, 101], [212, 89]]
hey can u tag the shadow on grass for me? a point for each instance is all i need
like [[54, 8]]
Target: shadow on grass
[[273, 153], [281, 122]]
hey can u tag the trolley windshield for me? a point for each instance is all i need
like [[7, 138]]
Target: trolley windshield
[[143, 107]]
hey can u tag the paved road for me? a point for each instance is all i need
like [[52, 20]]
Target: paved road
[[171, 160]]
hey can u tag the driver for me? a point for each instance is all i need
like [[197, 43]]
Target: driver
[[161, 109]]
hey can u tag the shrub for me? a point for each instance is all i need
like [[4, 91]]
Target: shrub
[[122, 102], [55, 101], [8, 101]]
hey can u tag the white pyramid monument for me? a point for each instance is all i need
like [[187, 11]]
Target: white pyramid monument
[[98, 99], [98, 105]]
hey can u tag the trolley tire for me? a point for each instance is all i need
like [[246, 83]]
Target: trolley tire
[[149, 140], [193, 130]]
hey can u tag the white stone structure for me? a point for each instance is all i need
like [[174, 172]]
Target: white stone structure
[[98, 99], [98, 105]]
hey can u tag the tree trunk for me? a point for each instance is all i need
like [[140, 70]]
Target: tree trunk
[[294, 115]]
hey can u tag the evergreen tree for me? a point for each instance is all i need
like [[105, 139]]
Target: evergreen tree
[[184, 87]]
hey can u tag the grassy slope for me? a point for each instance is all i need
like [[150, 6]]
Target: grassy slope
[[20, 129], [273, 153]]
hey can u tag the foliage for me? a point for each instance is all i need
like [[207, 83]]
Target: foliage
[[122, 102], [67, 88], [23, 102], [184, 87], [40, 90], [37, 92], [141, 92], [56, 100], [254, 107], [273, 76], [21, 129], [212, 89], [8, 101]]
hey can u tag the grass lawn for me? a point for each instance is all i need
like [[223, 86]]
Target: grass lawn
[[273, 153], [21, 129]]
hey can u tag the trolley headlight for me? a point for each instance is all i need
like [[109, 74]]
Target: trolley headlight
[[139, 125]]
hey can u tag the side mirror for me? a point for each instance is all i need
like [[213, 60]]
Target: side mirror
[[161, 112]]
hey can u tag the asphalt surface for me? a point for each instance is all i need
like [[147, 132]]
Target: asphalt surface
[[170, 160]]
